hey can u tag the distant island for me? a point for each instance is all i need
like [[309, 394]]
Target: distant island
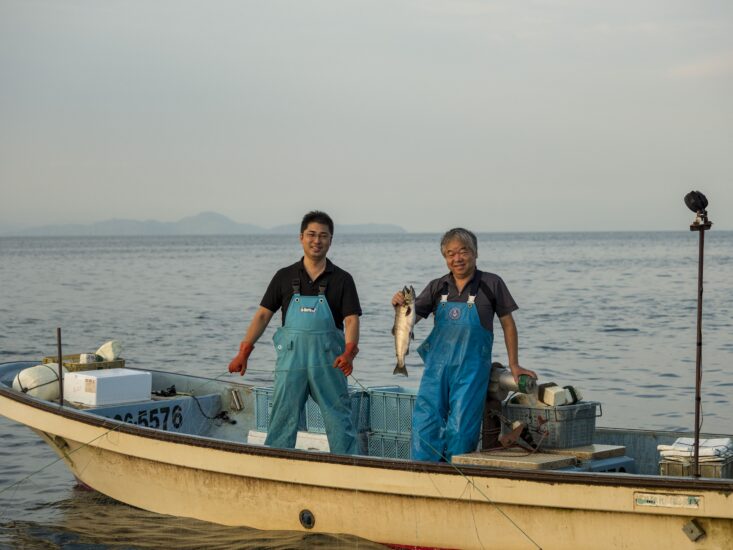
[[205, 223]]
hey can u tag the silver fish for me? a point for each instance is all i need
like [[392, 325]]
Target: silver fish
[[404, 321]]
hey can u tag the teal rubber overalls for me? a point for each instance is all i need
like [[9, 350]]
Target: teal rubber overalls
[[448, 411], [306, 347]]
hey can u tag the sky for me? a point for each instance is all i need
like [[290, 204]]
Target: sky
[[544, 115]]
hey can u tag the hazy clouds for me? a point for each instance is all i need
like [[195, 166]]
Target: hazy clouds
[[544, 115]]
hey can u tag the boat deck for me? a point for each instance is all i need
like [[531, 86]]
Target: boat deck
[[228, 412]]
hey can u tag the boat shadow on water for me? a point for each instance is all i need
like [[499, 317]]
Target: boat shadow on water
[[88, 519]]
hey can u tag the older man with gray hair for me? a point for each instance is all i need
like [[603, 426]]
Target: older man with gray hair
[[457, 353]]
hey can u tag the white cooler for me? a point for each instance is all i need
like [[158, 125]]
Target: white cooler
[[107, 386]]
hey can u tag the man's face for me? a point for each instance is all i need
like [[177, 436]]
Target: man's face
[[316, 240], [459, 259]]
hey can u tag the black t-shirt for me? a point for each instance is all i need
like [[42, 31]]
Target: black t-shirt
[[497, 300], [340, 290]]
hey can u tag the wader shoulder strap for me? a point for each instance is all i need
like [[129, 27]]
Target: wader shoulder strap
[[296, 286], [443, 292], [322, 287], [473, 291], [476, 284]]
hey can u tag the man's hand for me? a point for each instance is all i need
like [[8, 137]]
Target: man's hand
[[345, 361], [517, 371], [398, 299], [239, 363]]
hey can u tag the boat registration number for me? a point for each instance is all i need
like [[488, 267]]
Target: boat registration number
[[158, 418], [658, 500]]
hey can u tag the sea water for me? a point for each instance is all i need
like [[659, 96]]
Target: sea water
[[612, 314]]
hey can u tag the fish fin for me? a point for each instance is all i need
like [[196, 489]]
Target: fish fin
[[400, 369], [392, 331], [412, 335], [408, 312]]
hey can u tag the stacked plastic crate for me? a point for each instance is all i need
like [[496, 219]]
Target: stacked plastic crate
[[311, 419], [263, 409], [390, 411], [359, 416]]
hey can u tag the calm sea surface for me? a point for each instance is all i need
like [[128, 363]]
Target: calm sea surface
[[611, 313]]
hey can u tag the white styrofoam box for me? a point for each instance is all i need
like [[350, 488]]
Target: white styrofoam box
[[569, 398], [554, 396], [107, 386], [306, 441]]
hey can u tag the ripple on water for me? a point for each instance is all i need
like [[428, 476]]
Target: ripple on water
[[612, 329], [90, 519]]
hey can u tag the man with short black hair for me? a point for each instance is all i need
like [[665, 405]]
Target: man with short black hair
[[319, 303], [457, 353]]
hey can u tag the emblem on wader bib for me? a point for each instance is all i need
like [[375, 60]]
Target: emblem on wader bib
[[454, 313]]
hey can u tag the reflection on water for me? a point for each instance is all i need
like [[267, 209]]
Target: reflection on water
[[87, 519]]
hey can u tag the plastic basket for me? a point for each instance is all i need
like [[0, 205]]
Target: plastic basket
[[562, 427], [715, 469], [619, 464], [390, 409], [359, 413], [71, 362], [263, 409], [389, 445]]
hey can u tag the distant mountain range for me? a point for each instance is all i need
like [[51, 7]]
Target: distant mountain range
[[206, 223]]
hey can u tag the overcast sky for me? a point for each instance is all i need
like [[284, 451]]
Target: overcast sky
[[496, 115]]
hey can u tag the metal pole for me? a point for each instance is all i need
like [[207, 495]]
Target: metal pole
[[61, 369], [698, 358], [701, 226]]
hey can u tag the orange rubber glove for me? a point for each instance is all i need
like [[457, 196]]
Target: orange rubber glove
[[345, 361], [239, 363]]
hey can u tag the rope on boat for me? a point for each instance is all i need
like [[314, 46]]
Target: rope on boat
[[456, 468], [66, 454], [88, 443], [470, 482]]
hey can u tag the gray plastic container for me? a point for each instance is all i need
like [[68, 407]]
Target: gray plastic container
[[558, 427]]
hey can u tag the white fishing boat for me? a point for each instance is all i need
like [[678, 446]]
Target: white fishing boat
[[186, 454]]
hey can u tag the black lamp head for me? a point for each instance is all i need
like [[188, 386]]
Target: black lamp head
[[696, 202]]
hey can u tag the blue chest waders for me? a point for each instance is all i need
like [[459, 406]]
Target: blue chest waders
[[449, 406], [306, 347]]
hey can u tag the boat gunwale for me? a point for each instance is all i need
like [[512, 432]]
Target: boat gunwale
[[547, 476]]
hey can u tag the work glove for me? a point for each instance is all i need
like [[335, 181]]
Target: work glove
[[345, 361], [239, 363]]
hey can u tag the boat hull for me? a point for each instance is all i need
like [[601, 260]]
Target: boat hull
[[395, 502]]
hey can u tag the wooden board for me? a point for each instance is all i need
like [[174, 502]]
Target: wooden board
[[591, 452], [515, 458]]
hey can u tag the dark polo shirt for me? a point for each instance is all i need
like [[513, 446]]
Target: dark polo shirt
[[428, 300], [340, 290]]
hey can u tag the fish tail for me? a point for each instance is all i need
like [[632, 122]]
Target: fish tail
[[400, 368]]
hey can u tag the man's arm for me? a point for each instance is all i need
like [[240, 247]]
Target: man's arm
[[511, 340], [258, 325], [351, 329], [345, 361]]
